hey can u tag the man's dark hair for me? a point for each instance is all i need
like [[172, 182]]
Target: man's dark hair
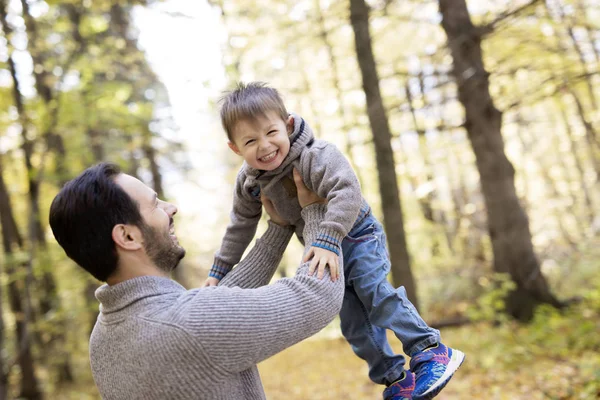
[[83, 214]]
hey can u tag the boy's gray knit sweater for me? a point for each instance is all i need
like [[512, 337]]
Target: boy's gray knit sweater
[[324, 170], [156, 340]]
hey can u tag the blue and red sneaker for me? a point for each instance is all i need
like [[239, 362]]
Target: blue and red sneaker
[[401, 389], [433, 368]]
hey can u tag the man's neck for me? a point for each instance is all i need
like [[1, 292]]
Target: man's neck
[[123, 273]]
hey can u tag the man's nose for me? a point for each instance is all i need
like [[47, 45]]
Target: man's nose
[[171, 209]]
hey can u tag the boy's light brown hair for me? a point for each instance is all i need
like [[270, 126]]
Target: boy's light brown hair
[[247, 101]]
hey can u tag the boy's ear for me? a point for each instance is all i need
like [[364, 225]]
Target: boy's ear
[[234, 148], [290, 124], [127, 237]]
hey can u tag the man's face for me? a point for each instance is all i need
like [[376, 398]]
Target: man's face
[[160, 243], [263, 141]]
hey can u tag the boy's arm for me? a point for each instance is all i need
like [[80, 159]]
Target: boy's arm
[[237, 328], [326, 171], [244, 217]]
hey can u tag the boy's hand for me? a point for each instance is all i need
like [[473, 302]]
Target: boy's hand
[[211, 281], [320, 258]]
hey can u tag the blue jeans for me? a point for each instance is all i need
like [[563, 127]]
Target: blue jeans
[[372, 305]]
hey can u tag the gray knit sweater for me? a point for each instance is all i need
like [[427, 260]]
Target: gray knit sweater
[[324, 170], [156, 340]]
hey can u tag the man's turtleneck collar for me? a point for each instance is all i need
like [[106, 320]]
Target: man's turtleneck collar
[[116, 297]]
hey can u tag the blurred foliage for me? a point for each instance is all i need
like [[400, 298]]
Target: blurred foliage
[[489, 306]]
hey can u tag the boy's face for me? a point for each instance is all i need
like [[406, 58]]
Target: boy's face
[[263, 141]]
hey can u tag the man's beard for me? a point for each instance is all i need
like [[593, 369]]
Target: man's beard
[[161, 249]]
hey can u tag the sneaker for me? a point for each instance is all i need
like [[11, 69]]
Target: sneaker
[[401, 389], [433, 368]]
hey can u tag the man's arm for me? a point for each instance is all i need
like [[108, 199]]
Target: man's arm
[[244, 217], [237, 328], [258, 267]]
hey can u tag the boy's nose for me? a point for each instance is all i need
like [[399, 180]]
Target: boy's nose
[[263, 143]]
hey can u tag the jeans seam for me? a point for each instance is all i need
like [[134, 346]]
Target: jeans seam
[[370, 328], [422, 345], [363, 238], [391, 369], [412, 313], [435, 338], [394, 374]]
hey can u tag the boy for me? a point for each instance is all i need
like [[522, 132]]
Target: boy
[[275, 145]]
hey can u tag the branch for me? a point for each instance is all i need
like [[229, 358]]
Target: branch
[[560, 82], [451, 323], [406, 74], [176, 14], [491, 26]]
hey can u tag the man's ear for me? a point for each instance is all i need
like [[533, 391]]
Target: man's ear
[[234, 148], [127, 237], [290, 124]]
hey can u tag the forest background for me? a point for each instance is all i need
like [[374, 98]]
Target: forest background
[[472, 126]]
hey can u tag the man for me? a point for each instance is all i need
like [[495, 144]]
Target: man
[[156, 340]]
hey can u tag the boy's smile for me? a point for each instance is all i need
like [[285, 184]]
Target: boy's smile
[[263, 141], [269, 156]]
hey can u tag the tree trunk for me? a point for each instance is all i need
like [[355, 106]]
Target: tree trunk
[[578, 216], [232, 69], [562, 19], [3, 370], [306, 86], [508, 224], [578, 164], [17, 291], [591, 32], [437, 216], [425, 201], [590, 134], [49, 298], [458, 192], [527, 144], [384, 154], [133, 168], [150, 154], [27, 144], [95, 138]]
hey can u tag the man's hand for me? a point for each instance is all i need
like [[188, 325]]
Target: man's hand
[[305, 196], [270, 209], [320, 258], [211, 281]]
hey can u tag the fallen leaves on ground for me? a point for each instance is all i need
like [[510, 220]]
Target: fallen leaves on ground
[[499, 366]]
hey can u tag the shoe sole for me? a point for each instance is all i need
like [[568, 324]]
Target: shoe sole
[[455, 362]]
